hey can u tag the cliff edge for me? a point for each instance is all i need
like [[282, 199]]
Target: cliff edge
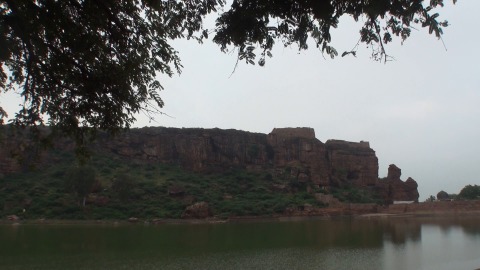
[[288, 154]]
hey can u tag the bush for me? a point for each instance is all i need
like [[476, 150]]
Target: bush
[[442, 195], [470, 192], [123, 186]]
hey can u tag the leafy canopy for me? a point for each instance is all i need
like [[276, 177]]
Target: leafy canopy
[[470, 192], [84, 65]]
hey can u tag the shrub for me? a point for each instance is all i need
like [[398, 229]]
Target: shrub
[[470, 192], [123, 185]]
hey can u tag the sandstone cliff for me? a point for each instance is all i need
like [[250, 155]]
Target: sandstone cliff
[[354, 163], [392, 188], [290, 154]]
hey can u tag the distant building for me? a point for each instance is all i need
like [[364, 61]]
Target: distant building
[[403, 202]]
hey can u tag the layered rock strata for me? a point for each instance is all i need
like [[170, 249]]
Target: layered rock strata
[[290, 154]]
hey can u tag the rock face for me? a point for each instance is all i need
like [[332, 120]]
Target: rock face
[[290, 154], [194, 149], [392, 188], [297, 155], [353, 163]]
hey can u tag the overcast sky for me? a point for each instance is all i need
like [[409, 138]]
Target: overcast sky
[[420, 112]]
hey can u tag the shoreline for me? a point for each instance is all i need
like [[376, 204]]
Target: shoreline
[[248, 219]]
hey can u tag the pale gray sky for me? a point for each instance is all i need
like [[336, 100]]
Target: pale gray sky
[[419, 112]]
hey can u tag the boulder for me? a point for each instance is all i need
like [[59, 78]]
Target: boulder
[[13, 218], [308, 207], [327, 199], [197, 210], [176, 191], [133, 220]]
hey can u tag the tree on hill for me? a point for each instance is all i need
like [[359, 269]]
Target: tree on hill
[[123, 186], [470, 192], [80, 180], [83, 65], [442, 196]]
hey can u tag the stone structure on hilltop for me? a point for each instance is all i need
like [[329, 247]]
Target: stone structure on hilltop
[[282, 133], [301, 153], [290, 154]]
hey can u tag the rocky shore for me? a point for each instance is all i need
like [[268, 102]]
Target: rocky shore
[[410, 209], [413, 210]]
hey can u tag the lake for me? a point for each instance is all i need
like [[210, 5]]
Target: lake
[[350, 243]]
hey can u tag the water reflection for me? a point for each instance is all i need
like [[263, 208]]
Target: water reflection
[[399, 231], [434, 243], [319, 234], [380, 243]]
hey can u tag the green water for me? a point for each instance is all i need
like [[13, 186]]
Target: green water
[[308, 244]]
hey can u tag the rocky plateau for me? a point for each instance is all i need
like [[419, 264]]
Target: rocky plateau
[[293, 154]]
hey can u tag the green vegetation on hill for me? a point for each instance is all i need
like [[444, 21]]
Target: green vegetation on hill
[[124, 189], [129, 189], [354, 194]]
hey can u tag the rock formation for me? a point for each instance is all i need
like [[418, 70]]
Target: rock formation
[[197, 210], [353, 163], [290, 154], [392, 188]]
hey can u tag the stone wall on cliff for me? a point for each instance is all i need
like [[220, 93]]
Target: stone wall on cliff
[[438, 207], [303, 132]]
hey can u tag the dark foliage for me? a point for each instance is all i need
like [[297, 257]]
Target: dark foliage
[[470, 192], [144, 192], [250, 23], [86, 63], [80, 180], [442, 195]]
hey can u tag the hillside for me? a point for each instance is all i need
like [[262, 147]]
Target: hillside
[[173, 173]]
